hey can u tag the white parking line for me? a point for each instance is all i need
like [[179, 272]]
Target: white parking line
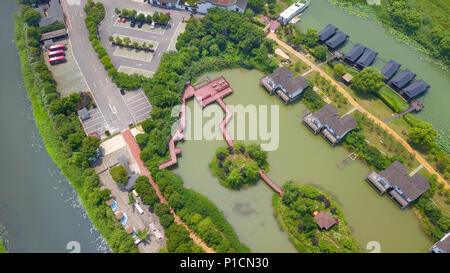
[[138, 105], [130, 98]]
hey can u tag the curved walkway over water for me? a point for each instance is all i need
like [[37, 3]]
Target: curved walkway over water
[[206, 94]]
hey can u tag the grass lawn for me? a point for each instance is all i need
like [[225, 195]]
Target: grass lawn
[[402, 128], [297, 66], [335, 96], [385, 142], [371, 103], [392, 99]]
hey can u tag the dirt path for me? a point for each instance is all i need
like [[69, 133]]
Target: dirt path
[[419, 158], [136, 151]]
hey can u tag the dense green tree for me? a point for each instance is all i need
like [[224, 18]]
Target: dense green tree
[[89, 146], [32, 17], [166, 220], [339, 69], [256, 5], [161, 209], [320, 53], [311, 37], [368, 81], [423, 134], [141, 17], [119, 174], [163, 19]]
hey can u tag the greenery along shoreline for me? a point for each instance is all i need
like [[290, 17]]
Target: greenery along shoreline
[[367, 85], [238, 166], [294, 212], [210, 50], [423, 24], [2, 246], [60, 130]]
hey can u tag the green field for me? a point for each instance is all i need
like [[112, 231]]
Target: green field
[[392, 99]]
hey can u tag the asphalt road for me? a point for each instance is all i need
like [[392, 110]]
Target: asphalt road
[[106, 94]]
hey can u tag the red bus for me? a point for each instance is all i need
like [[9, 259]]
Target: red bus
[[57, 46], [56, 53], [57, 60]]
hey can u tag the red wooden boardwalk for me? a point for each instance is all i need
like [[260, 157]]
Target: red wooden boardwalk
[[223, 124], [136, 152], [270, 182], [206, 94]]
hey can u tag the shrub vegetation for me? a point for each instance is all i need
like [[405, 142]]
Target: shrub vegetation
[[294, 212], [239, 166]]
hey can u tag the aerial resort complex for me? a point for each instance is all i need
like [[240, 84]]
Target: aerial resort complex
[[225, 126]]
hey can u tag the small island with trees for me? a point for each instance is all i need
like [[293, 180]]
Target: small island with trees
[[238, 167], [296, 211]]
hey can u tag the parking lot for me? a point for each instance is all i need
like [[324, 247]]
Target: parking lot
[[67, 75], [96, 124], [136, 54], [138, 105], [163, 37]]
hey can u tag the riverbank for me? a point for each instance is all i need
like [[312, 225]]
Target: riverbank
[[98, 212], [2, 246], [427, 38]]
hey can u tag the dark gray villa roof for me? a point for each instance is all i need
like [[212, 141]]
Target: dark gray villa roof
[[226, 3], [84, 114], [397, 175], [54, 13], [367, 58], [242, 4], [329, 115], [354, 53], [444, 243], [327, 32], [283, 76], [337, 39], [390, 69], [131, 181], [403, 78], [415, 89], [122, 159]]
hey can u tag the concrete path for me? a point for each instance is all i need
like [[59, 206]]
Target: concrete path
[[136, 151], [405, 144]]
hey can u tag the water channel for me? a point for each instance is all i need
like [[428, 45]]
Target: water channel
[[303, 158], [371, 34], [39, 209]]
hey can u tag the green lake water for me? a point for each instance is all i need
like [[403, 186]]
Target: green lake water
[[371, 34], [303, 158]]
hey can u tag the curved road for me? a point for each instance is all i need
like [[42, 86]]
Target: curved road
[[419, 158]]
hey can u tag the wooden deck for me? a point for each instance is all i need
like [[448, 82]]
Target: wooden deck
[[269, 182]]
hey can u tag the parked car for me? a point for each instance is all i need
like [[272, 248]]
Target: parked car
[[124, 20], [152, 26], [140, 23], [133, 23]]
